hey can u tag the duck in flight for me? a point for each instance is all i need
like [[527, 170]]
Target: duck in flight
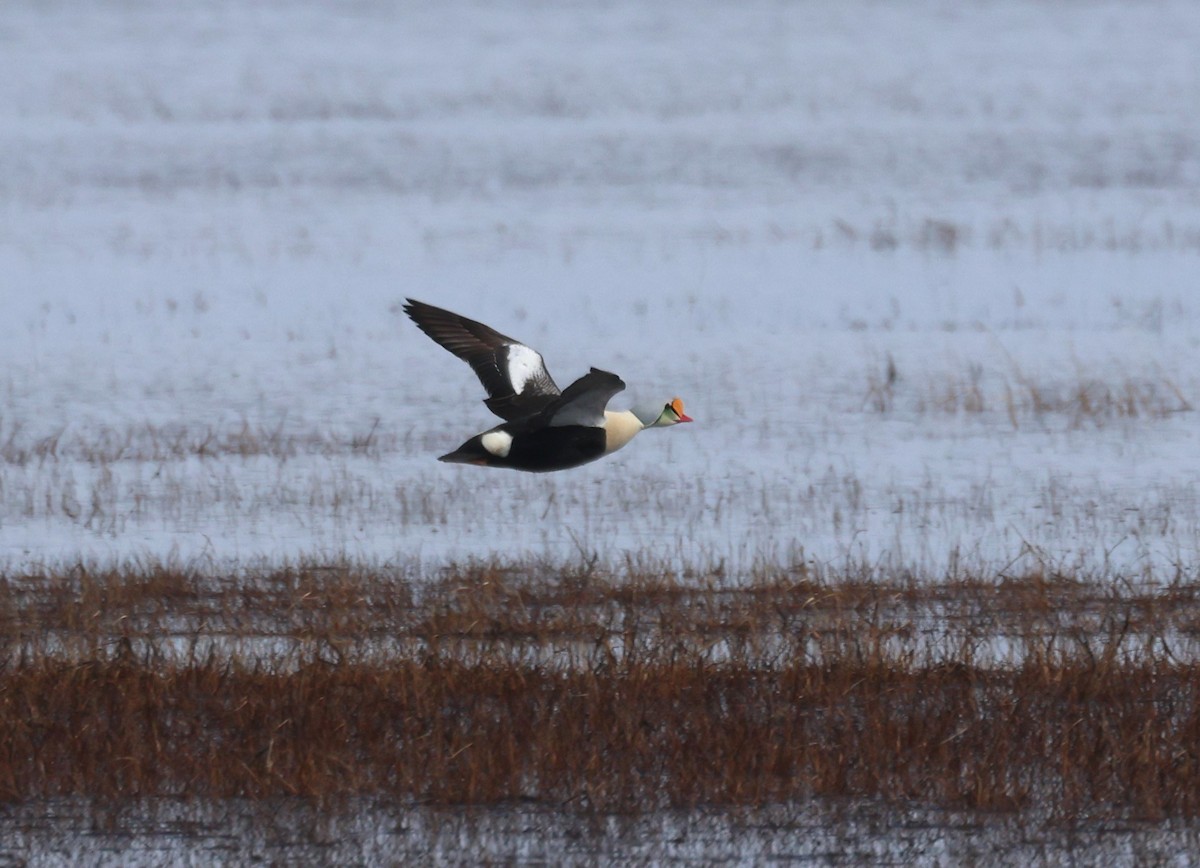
[[545, 428]]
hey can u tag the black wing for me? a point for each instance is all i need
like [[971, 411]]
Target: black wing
[[513, 374], [582, 403]]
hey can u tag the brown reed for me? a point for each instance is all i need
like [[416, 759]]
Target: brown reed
[[629, 690]]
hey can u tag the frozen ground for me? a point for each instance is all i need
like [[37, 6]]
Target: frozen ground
[[211, 212]]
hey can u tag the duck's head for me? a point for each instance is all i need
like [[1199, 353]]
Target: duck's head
[[660, 416]]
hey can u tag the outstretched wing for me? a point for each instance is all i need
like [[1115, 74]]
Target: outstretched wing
[[513, 374], [583, 402]]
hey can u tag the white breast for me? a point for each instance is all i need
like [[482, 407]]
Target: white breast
[[619, 428]]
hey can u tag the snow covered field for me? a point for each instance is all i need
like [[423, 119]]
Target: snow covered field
[[211, 212]]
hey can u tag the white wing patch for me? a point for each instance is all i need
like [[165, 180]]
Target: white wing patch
[[524, 364], [497, 442]]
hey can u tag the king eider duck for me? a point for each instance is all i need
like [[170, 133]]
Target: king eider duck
[[545, 428]]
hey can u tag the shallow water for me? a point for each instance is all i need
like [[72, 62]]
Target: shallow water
[[205, 355], [374, 832]]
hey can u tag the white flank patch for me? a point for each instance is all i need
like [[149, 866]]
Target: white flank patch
[[523, 364], [497, 442]]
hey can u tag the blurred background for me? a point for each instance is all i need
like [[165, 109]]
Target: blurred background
[[924, 274]]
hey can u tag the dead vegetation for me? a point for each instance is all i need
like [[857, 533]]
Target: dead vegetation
[[945, 235], [610, 691], [1019, 399], [148, 442]]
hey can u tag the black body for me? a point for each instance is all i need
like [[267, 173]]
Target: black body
[[537, 450]]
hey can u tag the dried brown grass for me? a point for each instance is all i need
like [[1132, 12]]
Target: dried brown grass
[[174, 442], [625, 691], [1083, 401]]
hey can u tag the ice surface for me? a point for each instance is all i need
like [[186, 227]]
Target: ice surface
[[211, 212]]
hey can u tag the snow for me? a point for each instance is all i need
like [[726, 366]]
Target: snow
[[212, 211]]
